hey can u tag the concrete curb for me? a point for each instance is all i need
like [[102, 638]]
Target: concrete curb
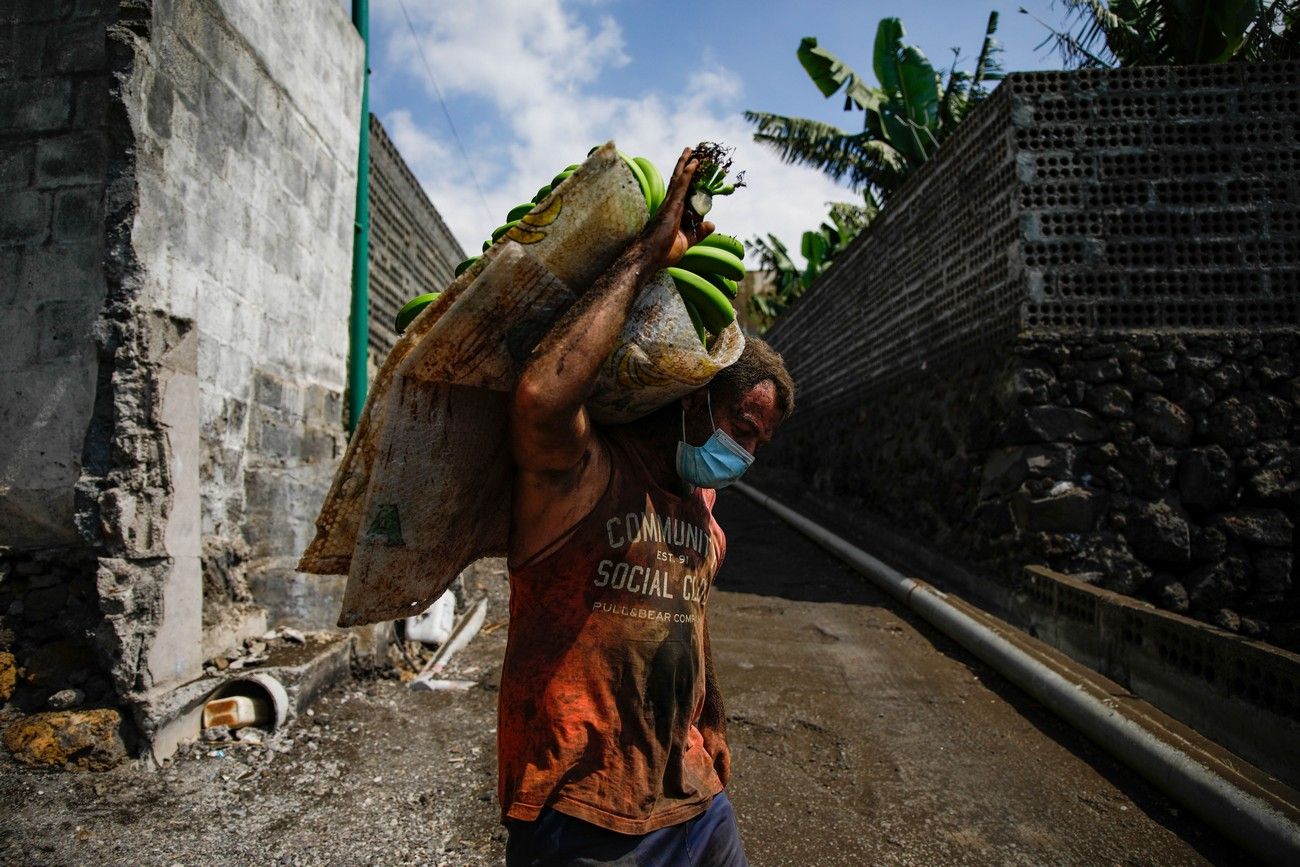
[[173, 716], [1246, 805]]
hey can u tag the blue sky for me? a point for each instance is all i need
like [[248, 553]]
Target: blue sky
[[531, 84]]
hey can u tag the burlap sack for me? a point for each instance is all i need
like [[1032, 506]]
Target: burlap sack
[[424, 487], [658, 357]]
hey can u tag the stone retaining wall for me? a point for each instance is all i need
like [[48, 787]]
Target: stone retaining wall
[[1157, 465], [1071, 339]]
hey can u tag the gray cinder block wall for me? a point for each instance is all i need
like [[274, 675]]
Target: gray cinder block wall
[[176, 269], [411, 252], [1072, 340], [411, 249], [60, 271]]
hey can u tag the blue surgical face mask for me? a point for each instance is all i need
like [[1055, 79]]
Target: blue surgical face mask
[[717, 463]]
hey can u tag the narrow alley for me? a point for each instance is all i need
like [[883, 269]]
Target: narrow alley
[[859, 736]]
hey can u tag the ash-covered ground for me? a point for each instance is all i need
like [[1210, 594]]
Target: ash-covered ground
[[859, 736]]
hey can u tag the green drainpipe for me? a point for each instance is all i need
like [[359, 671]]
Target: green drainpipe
[[359, 322]]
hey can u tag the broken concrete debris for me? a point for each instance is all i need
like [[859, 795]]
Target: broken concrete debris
[[66, 699], [431, 685], [254, 651], [467, 626]]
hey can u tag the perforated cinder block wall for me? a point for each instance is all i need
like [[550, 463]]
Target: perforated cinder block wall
[[931, 278], [1153, 198], [411, 249], [1161, 198]]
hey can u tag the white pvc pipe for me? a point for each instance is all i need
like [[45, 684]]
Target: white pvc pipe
[[1251, 821]]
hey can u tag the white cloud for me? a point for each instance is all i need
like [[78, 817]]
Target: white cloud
[[539, 66], [421, 150]]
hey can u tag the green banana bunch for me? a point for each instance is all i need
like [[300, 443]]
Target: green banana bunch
[[708, 273], [564, 173], [518, 212], [648, 179], [704, 302], [658, 191], [706, 278]]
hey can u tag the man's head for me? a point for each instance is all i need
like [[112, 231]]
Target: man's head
[[750, 399]]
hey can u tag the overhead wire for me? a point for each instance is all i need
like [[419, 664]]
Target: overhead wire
[[487, 212]]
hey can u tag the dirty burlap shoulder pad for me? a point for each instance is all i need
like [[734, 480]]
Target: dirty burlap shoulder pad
[[424, 487]]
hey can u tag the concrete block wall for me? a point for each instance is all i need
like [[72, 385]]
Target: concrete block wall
[[411, 252], [54, 85], [245, 118], [411, 249], [935, 276], [1159, 197], [56, 266], [1120, 199], [181, 265], [1072, 340]]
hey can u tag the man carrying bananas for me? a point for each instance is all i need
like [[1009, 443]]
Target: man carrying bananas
[[611, 738]]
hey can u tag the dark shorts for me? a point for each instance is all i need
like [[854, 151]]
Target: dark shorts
[[711, 839]]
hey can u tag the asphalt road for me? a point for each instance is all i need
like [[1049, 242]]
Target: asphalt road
[[859, 736]]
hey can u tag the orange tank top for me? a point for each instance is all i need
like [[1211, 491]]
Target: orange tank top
[[603, 681]]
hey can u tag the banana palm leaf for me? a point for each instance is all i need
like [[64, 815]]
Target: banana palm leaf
[[825, 147], [774, 254], [904, 121], [906, 76], [830, 73], [909, 140], [1211, 31], [814, 246]]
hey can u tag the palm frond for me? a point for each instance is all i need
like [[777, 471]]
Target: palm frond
[[1151, 32], [1274, 34], [956, 93], [988, 67], [1080, 51], [852, 158], [885, 167], [851, 218]]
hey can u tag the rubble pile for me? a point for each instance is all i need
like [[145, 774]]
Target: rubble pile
[[254, 651]]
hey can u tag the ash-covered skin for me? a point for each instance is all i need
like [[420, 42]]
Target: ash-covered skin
[[603, 698]]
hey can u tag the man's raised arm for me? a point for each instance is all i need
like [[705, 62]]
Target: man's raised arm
[[548, 422]]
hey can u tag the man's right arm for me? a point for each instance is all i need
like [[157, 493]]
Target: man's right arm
[[550, 431]]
